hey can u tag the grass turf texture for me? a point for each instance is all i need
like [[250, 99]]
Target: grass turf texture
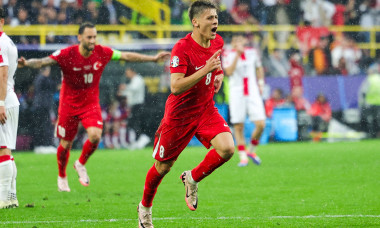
[[297, 185]]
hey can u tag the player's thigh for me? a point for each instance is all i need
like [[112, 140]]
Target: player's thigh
[[238, 109], [256, 109], [92, 118], [67, 126], [8, 131], [211, 125], [170, 141]]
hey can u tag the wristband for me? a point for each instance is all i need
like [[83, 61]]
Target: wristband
[[2, 103], [260, 82]]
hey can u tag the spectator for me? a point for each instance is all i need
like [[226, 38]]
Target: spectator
[[44, 88], [11, 11], [34, 11], [279, 15], [277, 65], [296, 71], [320, 112], [369, 101], [135, 93], [21, 19], [302, 106], [276, 100], [320, 57], [349, 51], [91, 13], [107, 13], [241, 15], [298, 100], [318, 12]]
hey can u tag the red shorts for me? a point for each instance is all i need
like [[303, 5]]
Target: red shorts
[[67, 126], [170, 140]]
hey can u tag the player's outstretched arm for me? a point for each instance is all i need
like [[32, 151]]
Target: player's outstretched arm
[[179, 83], [136, 57], [35, 63]]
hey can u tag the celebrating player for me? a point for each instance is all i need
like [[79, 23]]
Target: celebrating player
[[9, 107], [196, 75], [246, 77], [82, 66]]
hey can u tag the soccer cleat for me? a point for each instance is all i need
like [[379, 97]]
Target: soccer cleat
[[82, 173], [243, 163], [191, 196], [13, 199], [254, 158], [145, 217], [63, 185], [14, 203], [5, 204]]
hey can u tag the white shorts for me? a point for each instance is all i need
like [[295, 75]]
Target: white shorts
[[8, 131], [241, 106]]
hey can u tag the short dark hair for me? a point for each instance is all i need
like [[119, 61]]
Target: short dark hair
[[2, 14], [198, 7], [85, 25]]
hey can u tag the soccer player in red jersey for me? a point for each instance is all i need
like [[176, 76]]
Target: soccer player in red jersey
[[196, 75], [82, 66]]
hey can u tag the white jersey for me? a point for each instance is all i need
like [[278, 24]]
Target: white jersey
[[243, 80], [245, 98], [8, 57]]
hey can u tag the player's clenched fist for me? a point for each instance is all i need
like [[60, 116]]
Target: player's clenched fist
[[213, 62]]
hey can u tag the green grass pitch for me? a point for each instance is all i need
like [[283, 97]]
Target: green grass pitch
[[297, 185]]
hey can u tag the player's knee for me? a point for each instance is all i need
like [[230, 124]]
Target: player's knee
[[94, 138], [163, 167], [227, 151], [66, 144]]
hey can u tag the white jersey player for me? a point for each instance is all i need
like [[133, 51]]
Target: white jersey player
[[246, 79], [9, 108]]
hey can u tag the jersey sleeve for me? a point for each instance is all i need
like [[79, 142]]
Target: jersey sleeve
[[108, 52], [59, 56], [179, 59], [258, 62], [3, 54]]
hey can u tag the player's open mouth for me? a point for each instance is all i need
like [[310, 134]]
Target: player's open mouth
[[213, 30]]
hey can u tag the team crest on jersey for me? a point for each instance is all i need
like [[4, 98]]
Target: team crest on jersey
[[56, 53], [97, 65], [174, 62]]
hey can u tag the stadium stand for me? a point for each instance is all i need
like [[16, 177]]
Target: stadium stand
[[337, 39]]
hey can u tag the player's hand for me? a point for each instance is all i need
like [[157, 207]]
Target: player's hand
[[3, 116], [213, 62], [239, 48], [218, 82], [162, 56], [21, 62]]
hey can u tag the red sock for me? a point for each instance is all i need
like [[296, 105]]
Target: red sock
[[153, 179], [241, 147], [62, 158], [211, 162], [88, 149], [255, 142]]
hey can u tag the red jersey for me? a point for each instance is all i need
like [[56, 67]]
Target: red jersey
[[187, 57], [81, 77]]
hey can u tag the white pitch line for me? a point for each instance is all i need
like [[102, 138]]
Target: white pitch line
[[191, 218]]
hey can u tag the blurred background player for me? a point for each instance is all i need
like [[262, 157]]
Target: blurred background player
[[134, 90], [82, 66], [246, 80], [196, 75], [9, 110]]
